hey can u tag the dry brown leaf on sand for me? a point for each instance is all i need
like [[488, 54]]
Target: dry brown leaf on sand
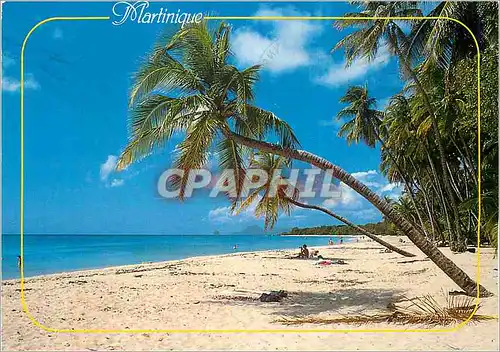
[[424, 310]]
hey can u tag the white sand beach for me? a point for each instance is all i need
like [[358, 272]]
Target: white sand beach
[[219, 292]]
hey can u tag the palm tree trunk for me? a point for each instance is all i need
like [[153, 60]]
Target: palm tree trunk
[[461, 247], [468, 166], [439, 192], [348, 223], [430, 214], [403, 176], [438, 225], [427, 247], [420, 187], [473, 165], [454, 185]]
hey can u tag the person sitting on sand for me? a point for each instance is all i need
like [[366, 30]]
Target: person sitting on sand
[[314, 254], [304, 252]]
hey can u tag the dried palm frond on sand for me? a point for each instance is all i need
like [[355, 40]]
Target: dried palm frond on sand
[[419, 310]]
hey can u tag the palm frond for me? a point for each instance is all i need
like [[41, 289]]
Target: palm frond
[[247, 202], [422, 310], [222, 50], [165, 74], [257, 122], [192, 152], [231, 158], [244, 91], [153, 122], [194, 45]]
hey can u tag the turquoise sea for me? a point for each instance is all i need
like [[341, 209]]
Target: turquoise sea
[[48, 254]]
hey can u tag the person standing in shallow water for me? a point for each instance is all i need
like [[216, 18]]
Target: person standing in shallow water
[[19, 262]]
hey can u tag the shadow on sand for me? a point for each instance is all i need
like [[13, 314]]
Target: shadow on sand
[[353, 301]]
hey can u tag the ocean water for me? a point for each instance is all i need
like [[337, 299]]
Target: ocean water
[[48, 254]]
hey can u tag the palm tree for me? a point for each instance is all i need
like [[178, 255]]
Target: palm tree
[[363, 119], [187, 84], [366, 123], [271, 203], [365, 43], [412, 154], [212, 96], [443, 42]]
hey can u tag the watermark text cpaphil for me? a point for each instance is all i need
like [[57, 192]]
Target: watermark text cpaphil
[[140, 13]]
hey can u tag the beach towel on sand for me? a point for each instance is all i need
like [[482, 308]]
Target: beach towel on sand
[[329, 262]]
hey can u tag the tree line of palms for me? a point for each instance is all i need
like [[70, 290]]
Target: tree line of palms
[[188, 84], [428, 131]]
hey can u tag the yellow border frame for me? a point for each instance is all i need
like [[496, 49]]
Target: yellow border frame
[[276, 18]]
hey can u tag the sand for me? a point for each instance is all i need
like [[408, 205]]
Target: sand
[[219, 292]]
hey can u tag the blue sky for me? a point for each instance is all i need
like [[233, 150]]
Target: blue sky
[[78, 76]]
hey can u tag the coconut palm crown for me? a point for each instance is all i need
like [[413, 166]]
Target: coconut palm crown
[[363, 119], [272, 197], [188, 84]]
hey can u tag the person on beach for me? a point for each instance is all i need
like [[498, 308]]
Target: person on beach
[[19, 261], [330, 242], [315, 255], [304, 252], [341, 240]]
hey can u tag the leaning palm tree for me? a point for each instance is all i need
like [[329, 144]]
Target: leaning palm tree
[[365, 42], [212, 97], [273, 198], [187, 84]]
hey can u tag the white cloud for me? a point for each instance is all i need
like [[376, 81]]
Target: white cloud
[[372, 184], [7, 60], [218, 212], [394, 195], [334, 122], [388, 187], [350, 200], [57, 34], [324, 123], [363, 215], [224, 215], [338, 74], [117, 183], [220, 215], [285, 49], [10, 84], [108, 167], [298, 217], [362, 175]]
